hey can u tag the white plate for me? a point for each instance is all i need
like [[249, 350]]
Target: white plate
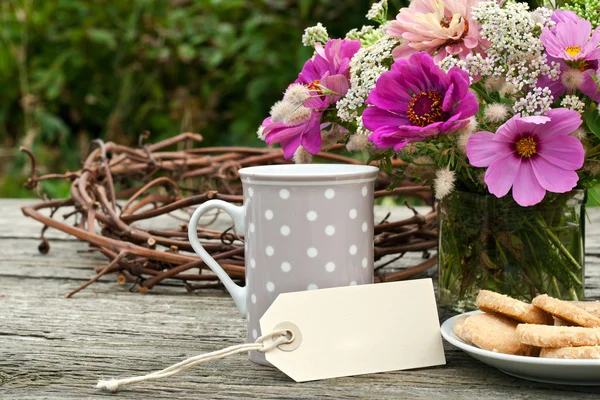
[[548, 370]]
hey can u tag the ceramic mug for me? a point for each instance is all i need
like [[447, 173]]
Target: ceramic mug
[[306, 226]]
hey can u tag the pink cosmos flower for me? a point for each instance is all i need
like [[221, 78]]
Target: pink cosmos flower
[[439, 27], [564, 15], [416, 99], [531, 155], [570, 40], [569, 44], [327, 76]]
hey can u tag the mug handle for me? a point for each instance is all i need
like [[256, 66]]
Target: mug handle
[[238, 293]]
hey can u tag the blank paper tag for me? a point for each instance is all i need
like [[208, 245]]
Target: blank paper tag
[[356, 330]]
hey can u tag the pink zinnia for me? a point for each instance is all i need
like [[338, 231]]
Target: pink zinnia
[[415, 100], [531, 155], [439, 27], [327, 75]]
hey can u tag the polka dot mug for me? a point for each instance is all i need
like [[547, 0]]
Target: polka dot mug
[[306, 227]]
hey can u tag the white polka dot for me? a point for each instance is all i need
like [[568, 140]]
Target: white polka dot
[[286, 266], [329, 194], [312, 252], [270, 251], [330, 267], [353, 283], [252, 227], [365, 226], [353, 249], [364, 263], [253, 263], [270, 286], [311, 216], [330, 230], [364, 191], [253, 297], [284, 194], [312, 286], [353, 213], [254, 334], [269, 214], [285, 230], [250, 192]]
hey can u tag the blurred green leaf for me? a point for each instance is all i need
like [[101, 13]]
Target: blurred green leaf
[[74, 71]]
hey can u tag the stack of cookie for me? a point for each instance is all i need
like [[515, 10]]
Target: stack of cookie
[[548, 327]]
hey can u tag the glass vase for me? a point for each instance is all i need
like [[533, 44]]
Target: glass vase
[[492, 243]]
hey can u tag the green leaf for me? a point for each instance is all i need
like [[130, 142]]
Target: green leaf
[[103, 36], [592, 120]]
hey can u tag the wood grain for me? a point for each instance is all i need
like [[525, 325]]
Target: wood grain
[[52, 347]]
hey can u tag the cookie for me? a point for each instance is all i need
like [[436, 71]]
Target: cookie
[[459, 328], [557, 336], [513, 308], [495, 333], [583, 352], [566, 311], [593, 307], [561, 322]]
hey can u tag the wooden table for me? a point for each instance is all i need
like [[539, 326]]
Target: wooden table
[[53, 347]]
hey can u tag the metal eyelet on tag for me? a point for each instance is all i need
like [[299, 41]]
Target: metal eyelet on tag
[[296, 336]]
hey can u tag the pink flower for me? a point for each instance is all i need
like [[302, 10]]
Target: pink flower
[[531, 155], [564, 15], [570, 40], [327, 76], [415, 100], [439, 27], [569, 44]]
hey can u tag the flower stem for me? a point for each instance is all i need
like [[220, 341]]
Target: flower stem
[[557, 243]]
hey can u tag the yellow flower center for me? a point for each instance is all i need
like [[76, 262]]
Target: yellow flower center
[[573, 50], [315, 85], [445, 23], [425, 108], [526, 147]]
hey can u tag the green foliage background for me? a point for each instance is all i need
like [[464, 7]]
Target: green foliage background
[[72, 71]]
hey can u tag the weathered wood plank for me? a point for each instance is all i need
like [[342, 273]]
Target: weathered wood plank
[[52, 347]]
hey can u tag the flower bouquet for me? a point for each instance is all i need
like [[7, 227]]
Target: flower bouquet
[[493, 105]]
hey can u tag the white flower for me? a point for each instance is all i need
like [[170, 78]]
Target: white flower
[[572, 78], [366, 67], [462, 142], [378, 11], [297, 116], [580, 134], [574, 103], [470, 127], [332, 137], [357, 142], [290, 113], [536, 102], [281, 109], [314, 34], [302, 156], [516, 51], [297, 93], [493, 83], [443, 184], [261, 132], [496, 112]]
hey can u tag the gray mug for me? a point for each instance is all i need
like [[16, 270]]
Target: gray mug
[[306, 227]]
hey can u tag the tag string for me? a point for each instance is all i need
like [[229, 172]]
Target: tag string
[[277, 338]]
